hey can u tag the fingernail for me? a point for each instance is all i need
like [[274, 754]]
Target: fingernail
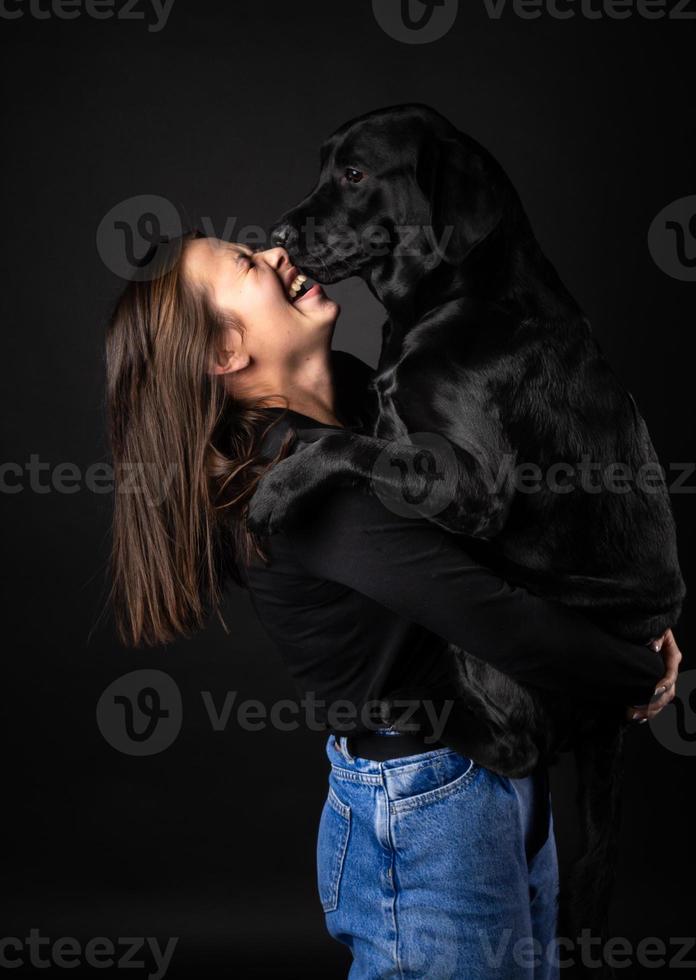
[[635, 715], [659, 691], [642, 721], [657, 646]]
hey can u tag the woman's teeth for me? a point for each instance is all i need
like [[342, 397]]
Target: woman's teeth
[[296, 287]]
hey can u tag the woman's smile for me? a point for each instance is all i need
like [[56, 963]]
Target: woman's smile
[[312, 292], [301, 287]]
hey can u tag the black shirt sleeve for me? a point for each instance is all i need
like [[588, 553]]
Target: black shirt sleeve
[[422, 573]]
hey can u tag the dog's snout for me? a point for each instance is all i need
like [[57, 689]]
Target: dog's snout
[[284, 235]]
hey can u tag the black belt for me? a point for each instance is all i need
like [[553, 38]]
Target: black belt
[[380, 748]]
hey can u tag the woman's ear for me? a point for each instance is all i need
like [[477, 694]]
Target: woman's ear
[[233, 358], [233, 361]]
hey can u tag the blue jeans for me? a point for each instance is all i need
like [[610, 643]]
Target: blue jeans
[[432, 866]]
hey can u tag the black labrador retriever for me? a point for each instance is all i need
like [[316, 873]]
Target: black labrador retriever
[[485, 347]]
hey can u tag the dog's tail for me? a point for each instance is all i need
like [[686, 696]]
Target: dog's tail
[[586, 895]]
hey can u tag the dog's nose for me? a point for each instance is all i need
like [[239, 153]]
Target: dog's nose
[[284, 235]]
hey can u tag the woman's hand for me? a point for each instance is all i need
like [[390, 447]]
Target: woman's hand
[[666, 645]]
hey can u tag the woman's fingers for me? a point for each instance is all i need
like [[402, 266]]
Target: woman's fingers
[[665, 690], [671, 655], [655, 707]]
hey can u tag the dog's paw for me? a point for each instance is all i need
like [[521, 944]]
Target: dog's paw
[[270, 506], [284, 491]]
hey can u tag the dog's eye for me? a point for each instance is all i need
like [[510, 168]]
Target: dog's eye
[[354, 176]]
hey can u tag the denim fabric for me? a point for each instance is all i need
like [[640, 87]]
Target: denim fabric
[[432, 866]]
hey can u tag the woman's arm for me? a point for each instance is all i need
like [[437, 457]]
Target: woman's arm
[[423, 574]]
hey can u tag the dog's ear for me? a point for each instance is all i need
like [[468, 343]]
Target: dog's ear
[[465, 193]]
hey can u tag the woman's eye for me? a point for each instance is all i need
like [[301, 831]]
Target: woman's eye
[[354, 176]]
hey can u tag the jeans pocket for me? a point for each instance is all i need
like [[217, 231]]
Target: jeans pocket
[[429, 783], [332, 843]]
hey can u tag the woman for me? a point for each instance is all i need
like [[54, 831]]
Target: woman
[[429, 864]]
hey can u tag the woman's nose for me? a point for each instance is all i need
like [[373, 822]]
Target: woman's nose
[[276, 257]]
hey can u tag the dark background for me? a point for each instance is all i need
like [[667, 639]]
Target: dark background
[[222, 113]]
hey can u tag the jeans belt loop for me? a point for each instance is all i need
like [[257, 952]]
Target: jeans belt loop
[[343, 746]]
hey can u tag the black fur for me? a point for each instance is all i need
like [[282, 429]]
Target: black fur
[[485, 346]]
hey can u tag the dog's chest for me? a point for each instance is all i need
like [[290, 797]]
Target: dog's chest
[[388, 425]]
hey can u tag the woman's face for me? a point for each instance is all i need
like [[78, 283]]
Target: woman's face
[[254, 287]]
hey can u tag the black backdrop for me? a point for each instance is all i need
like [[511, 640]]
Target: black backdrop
[[221, 112]]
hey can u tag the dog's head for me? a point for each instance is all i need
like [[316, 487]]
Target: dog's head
[[399, 189]]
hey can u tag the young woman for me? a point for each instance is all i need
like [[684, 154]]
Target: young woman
[[429, 864]]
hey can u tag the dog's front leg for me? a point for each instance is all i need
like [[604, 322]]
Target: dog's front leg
[[339, 459], [424, 477], [463, 490]]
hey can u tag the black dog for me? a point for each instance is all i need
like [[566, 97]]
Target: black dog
[[485, 347]]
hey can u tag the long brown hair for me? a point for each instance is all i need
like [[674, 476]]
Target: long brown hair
[[186, 457]]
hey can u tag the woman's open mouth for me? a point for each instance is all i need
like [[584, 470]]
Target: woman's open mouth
[[313, 290], [301, 286]]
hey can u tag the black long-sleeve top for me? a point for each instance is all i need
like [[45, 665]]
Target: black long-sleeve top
[[362, 602]]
